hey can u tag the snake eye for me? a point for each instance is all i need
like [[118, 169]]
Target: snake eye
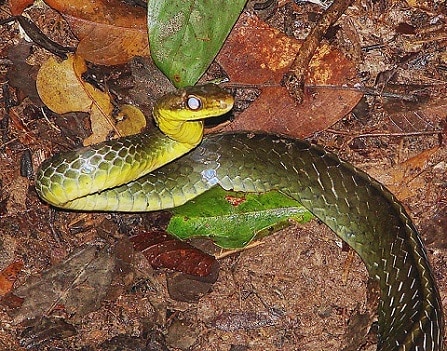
[[194, 103]]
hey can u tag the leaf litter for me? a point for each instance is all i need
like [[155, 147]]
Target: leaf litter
[[276, 275]]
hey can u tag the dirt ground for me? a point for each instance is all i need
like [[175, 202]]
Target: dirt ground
[[298, 289]]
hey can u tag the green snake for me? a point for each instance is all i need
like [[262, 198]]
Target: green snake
[[138, 173]]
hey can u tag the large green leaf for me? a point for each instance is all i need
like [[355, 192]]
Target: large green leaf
[[185, 36], [214, 215]]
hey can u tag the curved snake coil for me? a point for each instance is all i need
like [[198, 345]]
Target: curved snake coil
[[358, 208]]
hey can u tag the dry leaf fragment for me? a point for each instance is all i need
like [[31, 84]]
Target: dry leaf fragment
[[130, 120], [165, 251], [17, 6], [406, 176], [8, 276], [79, 284]]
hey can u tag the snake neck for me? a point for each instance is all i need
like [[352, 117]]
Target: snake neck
[[185, 132]]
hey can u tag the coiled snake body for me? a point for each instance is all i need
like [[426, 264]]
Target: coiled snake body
[[113, 176]]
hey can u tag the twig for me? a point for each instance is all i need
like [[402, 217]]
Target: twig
[[388, 134], [293, 80]]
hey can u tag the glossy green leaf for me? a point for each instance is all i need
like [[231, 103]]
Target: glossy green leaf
[[214, 215], [185, 36]]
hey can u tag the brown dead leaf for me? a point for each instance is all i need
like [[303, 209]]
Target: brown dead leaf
[[110, 32], [22, 75], [406, 179], [61, 88], [17, 6], [8, 276], [78, 284], [424, 117], [256, 54], [42, 330], [165, 251]]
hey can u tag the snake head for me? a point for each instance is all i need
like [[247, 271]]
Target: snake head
[[180, 114], [194, 103]]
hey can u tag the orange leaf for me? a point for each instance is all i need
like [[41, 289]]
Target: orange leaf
[[8, 276], [17, 6], [109, 31], [257, 54]]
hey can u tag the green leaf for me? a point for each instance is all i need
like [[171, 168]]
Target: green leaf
[[214, 215], [185, 36]]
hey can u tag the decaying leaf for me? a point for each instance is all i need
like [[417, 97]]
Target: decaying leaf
[[42, 330], [255, 53], [78, 284], [405, 178], [110, 32], [62, 89], [22, 75]]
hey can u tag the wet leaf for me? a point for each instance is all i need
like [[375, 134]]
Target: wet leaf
[[185, 36], [165, 251], [256, 54], [234, 219], [110, 32]]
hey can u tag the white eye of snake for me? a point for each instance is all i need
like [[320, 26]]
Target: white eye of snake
[[193, 103]]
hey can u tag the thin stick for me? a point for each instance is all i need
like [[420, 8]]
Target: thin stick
[[293, 80]]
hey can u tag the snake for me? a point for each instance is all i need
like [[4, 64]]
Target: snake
[[166, 167]]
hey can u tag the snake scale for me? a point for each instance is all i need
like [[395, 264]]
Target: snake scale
[[137, 173]]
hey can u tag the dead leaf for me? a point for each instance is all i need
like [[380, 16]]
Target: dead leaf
[[165, 251], [22, 75], [62, 89], [78, 284], [17, 6], [9, 275], [256, 54], [110, 32], [45, 329], [424, 117], [406, 177], [275, 111], [130, 120]]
